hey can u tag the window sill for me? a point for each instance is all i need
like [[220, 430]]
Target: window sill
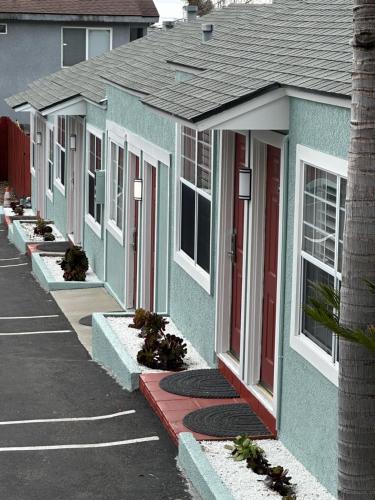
[[316, 356], [95, 226], [115, 232], [59, 186], [49, 194], [201, 277]]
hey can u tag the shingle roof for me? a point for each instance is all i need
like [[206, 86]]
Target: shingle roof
[[297, 43], [144, 8]]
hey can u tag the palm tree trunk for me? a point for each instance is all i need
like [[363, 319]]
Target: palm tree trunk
[[356, 438]]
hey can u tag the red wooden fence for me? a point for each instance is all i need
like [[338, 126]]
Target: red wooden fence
[[15, 157]]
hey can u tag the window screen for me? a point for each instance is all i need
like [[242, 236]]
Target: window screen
[[99, 42], [74, 46]]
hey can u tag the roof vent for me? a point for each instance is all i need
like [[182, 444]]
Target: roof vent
[[191, 12], [207, 31], [167, 25]]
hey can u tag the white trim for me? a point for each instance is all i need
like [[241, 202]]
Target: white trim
[[116, 132], [300, 343], [110, 224], [95, 131], [60, 187], [87, 29], [136, 143], [331, 100], [72, 107], [95, 226]]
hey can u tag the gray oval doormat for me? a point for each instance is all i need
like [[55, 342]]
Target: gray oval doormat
[[51, 246], [226, 421], [199, 384]]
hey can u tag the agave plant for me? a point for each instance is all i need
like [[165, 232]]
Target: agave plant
[[244, 448], [171, 352], [74, 264], [277, 479]]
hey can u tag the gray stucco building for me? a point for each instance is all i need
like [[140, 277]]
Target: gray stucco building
[[38, 38]]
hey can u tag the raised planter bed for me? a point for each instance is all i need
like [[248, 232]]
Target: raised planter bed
[[50, 275], [23, 233], [115, 346], [208, 466]]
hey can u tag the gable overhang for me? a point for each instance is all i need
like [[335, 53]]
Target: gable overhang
[[267, 111], [71, 107], [66, 18]]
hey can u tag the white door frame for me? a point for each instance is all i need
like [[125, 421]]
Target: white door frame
[[130, 300], [145, 269], [41, 162], [248, 370]]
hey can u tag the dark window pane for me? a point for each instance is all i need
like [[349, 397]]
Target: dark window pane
[[92, 195], [187, 220], [204, 225], [98, 217], [136, 33], [98, 154], [74, 46], [62, 168], [313, 330]]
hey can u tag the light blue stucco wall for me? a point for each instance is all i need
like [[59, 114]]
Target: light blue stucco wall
[[60, 210], [115, 260], [308, 424], [190, 307]]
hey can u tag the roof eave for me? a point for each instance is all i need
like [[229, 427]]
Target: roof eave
[[19, 16]]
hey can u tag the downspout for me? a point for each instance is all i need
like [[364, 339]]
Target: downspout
[[285, 149]]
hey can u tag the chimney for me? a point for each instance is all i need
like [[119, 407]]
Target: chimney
[[191, 12], [207, 31], [167, 25]]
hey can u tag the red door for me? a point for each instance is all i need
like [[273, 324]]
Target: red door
[[152, 238], [270, 266], [237, 248], [135, 240]]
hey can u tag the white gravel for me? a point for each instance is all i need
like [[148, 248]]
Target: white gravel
[[28, 227], [51, 262], [129, 337], [9, 212], [243, 483]]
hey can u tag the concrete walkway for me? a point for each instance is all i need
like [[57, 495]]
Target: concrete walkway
[[67, 430]]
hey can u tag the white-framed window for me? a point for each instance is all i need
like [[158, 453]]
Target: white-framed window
[[94, 163], [116, 197], [319, 226], [3, 29], [50, 160], [80, 44], [61, 152], [194, 207]]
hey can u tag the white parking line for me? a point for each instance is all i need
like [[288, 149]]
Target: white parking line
[[30, 317], [13, 258], [35, 333], [73, 419], [79, 446], [14, 265]]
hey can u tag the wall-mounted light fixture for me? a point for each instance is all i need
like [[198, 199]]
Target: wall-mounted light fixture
[[73, 142], [244, 191], [138, 189], [38, 138]]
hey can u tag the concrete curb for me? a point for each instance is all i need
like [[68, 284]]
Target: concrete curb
[[1, 214], [10, 233], [49, 283], [110, 353], [19, 236], [198, 469]]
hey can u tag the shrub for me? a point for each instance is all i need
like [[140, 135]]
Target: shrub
[[40, 226], [49, 237], [278, 480], [160, 350], [74, 264], [19, 210], [13, 205]]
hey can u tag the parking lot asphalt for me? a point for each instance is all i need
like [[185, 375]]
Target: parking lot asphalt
[[67, 430]]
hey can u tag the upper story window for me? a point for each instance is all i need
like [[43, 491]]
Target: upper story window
[[79, 44], [3, 29], [61, 149], [320, 194], [94, 164], [136, 33], [194, 208]]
